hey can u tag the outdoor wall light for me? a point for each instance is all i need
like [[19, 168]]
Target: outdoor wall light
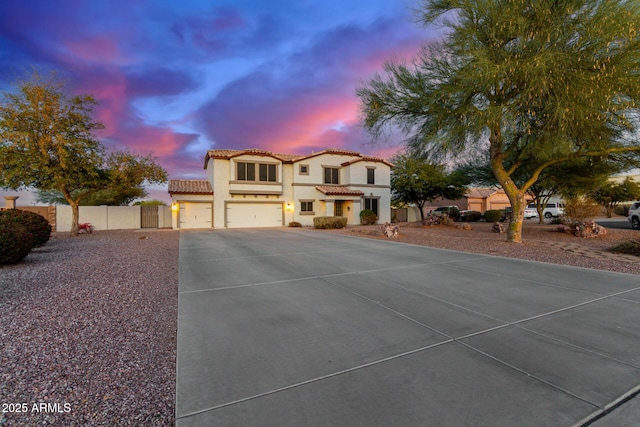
[[174, 207], [289, 207]]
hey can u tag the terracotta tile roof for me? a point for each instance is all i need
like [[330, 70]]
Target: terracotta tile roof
[[481, 192], [367, 159], [228, 154], [289, 158], [333, 190], [189, 186], [223, 154]]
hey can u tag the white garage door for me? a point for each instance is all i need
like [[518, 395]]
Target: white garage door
[[195, 215], [242, 215]]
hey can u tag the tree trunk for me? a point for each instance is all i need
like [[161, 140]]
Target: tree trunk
[[540, 210], [515, 195], [74, 219], [514, 232], [609, 209], [74, 210], [420, 208]]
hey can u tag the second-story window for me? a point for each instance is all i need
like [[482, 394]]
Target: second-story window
[[246, 171], [331, 175], [371, 176], [267, 172]]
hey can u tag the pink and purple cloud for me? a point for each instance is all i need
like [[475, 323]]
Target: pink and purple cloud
[[174, 79]]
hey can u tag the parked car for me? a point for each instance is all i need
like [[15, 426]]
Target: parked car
[[530, 212], [634, 216], [453, 211], [552, 209]]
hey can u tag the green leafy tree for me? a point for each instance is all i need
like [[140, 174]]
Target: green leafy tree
[[47, 142], [611, 194], [533, 84], [98, 198], [415, 180], [569, 179]]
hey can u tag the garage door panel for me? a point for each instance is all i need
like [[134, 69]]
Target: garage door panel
[[244, 215], [195, 215]]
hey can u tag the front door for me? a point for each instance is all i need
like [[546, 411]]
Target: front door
[[337, 208]]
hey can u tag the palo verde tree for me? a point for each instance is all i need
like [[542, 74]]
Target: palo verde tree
[[416, 180], [533, 84], [47, 142]]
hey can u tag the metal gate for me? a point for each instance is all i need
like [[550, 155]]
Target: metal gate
[[149, 217]]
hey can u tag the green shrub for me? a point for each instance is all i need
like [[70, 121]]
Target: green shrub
[[454, 213], [295, 224], [368, 217], [327, 222], [631, 247], [492, 215], [580, 209], [473, 216], [36, 225], [622, 210], [15, 243]]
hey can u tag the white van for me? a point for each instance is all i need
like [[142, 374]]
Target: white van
[[552, 209]]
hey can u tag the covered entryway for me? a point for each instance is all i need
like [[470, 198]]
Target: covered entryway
[[195, 215], [245, 215]]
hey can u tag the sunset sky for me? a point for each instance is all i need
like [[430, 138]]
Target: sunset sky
[[178, 78]]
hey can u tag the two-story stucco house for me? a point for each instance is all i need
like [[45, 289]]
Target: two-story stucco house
[[257, 188]]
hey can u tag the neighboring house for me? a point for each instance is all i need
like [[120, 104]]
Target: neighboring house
[[257, 188], [486, 199], [476, 199]]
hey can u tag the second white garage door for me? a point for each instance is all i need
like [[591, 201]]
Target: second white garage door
[[244, 215]]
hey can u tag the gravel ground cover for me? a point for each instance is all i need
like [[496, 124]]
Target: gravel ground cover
[[540, 243], [88, 331]]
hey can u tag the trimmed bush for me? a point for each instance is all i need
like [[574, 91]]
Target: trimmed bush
[[454, 213], [631, 247], [493, 215], [472, 216], [295, 224], [368, 217], [622, 210], [15, 243], [36, 225], [328, 222]]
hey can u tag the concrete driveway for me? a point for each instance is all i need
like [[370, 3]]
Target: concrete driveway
[[292, 327]]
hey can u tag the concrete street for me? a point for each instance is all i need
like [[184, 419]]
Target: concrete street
[[294, 327]]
